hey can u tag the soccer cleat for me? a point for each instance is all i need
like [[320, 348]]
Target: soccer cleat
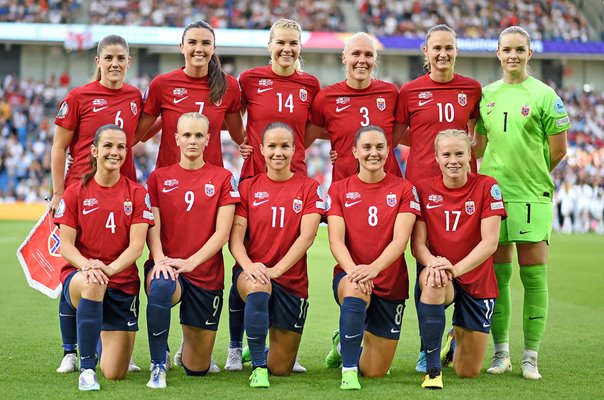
[[500, 363], [298, 367], [421, 364], [350, 380], [234, 360], [167, 363], [88, 381], [132, 367], [529, 369], [158, 377], [68, 364], [448, 350], [214, 368], [433, 380], [259, 378], [178, 355], [333, 358]]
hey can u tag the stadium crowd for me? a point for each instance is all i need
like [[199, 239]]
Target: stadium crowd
[[27, 110]]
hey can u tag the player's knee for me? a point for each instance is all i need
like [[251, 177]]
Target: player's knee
[[280, 370], [374, 372], [467, 371], [161, 290], [93, 291], [115, 374]]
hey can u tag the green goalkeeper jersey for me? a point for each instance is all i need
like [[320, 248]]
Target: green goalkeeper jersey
[[517, 119]]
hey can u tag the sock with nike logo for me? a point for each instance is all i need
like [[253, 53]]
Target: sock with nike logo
[[256, 325], [236, 307], [502, 314], [431, 327], [534, 279], [159, 304], [89, 317], [352, 326]]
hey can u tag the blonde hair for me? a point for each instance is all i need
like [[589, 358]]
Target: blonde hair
[[424, 45], [290, 24], [452, 133], [195, 116], [514, 29]]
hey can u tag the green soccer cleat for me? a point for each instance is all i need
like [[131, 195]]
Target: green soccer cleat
[[350, 380], [500, 363], [433, 380], [333, 358], [259, 378], [448, 350]]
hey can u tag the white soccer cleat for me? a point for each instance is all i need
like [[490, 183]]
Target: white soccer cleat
[[88, 381], [68, 364], [178, 355], [298, 367], [214, 368], [233, 362], [158, 377], [530, 370], [132, 367], [500, 363], [167, 364]]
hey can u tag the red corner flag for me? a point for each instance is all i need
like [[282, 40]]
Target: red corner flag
[[40, 257]]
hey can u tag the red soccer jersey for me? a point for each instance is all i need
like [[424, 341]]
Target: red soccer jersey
[[453, 218], [87, 108], [274, 212], [369, 212], [428, 107], [175, 93], [273, 98], [102, 217], [343, 110], [188, 202]]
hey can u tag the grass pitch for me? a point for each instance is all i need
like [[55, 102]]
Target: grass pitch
[[571, 357]]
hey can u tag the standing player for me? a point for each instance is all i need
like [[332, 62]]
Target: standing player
[[107, 99], [104, 220], [275, 224], [525, 125], [454, 239], [187, 262], [439, 100], [200, 86], [358, 101], [370, 221], [279, 92]]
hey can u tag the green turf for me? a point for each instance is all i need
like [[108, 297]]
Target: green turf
[[571, 355]]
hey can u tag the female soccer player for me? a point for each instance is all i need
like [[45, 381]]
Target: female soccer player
[[275, 224], [439, 100], [104, 220], [358, 101], [454, 240], [525, 125], [107, 99], [187, 264], [370, 221], [279, 92], [199, 86]]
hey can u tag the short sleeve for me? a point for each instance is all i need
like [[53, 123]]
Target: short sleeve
[[152, 188], [229, 193], [317, 115], [410, 200], [235, 94], [68, 115], [554, 118], [152, 98], [67, 210], [333, 201], [402, 108], [314, 199], [492, 203], [142, 207], [244, 192]]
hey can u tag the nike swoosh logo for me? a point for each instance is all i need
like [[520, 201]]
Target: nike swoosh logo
[[158, 333], [66, 315], [176, 101], [338, 109], [253, 338], [488, 112], [231, 310], [211, 323], [421, 103], [431, 351], [395, 330], [298, 326], [94, 109], [431, 206], [532, 318], [264, 90], [347, 204], [167, 190], [85, 212], [131, 323], [523, 232], [351, 337], [257, 203], [485, 325]]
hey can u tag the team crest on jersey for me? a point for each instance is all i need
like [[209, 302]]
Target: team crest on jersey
[[470, 207], [265, 82], [63, 111], [90, 202], [353, 195], [381, 103], [526, 110], [99, 102], [54, 242], [128, 207], [391, 199], [179, 91], [303, 94], [496, 192], [425, 95], [133, 108], [343, 100], [435, 198], [210, 190], [297, 206], [60, 209], [462, 99]]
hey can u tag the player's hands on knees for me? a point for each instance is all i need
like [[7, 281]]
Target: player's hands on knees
[[448, 268], [245, 149], [436, 277], [94, 273], [164, 270], [181, 266], [333, 156], [363, 273], [257, 273]]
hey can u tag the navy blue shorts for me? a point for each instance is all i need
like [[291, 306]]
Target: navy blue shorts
[[120, 310], [286, 311], [384, 317], [471, 313]]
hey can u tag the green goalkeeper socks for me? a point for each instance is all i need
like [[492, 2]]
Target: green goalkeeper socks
[[500, 321], [534, 279]]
